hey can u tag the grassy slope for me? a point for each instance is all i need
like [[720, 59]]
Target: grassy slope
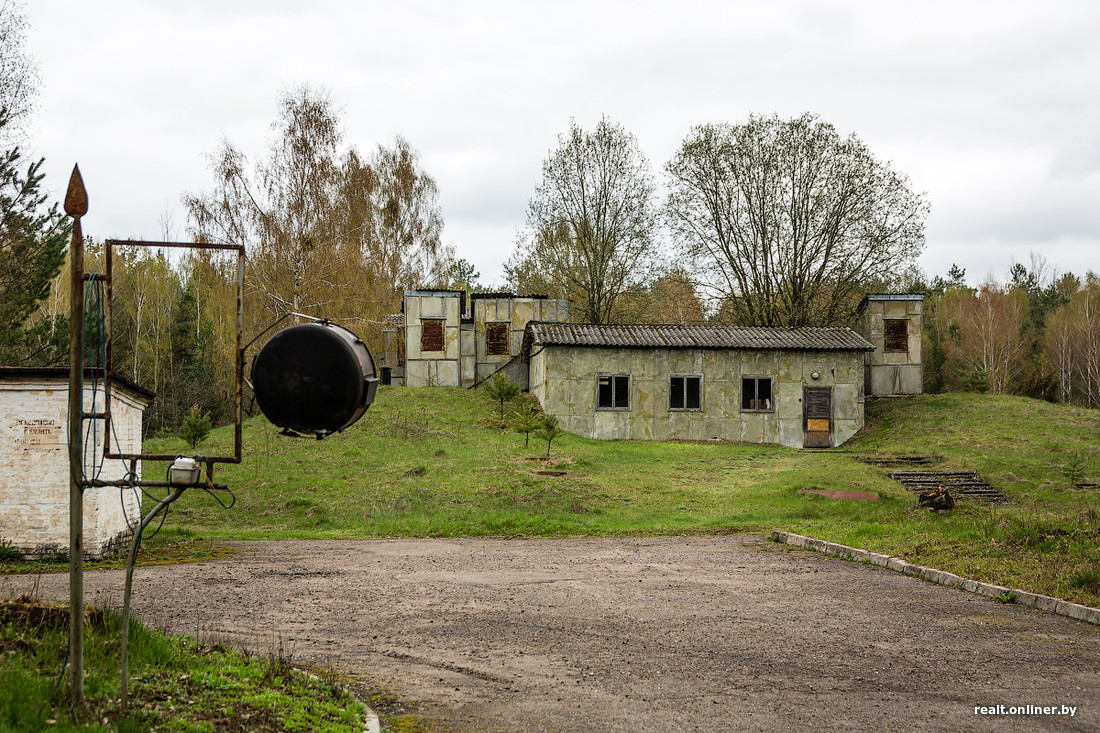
[[176, 684], [432, 462]]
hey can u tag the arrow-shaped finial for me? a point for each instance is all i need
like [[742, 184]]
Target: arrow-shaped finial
[[76, 198]]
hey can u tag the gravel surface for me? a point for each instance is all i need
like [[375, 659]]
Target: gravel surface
[[650, 634]]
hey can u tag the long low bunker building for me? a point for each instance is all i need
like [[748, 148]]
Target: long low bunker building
[[800, 387]]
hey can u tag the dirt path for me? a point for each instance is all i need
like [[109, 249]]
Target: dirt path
[[667, 634]]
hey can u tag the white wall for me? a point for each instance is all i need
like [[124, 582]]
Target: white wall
[[34, 466]]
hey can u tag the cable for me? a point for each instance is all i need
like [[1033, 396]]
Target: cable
[[209, 483]]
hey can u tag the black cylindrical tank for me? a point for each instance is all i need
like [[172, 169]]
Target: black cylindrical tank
[[314, 378]]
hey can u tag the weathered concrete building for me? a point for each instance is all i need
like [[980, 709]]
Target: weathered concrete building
[[798, 387], [448, 343], [34, 462], [802, 387], [894, 324]]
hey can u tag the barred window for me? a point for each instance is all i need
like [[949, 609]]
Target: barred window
[[496, 339], [897, 334], [431, 335]]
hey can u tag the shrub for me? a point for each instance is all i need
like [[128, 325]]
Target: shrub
[[9, 552], [195, 427], [503, 389], [526, 419], [548, 431]]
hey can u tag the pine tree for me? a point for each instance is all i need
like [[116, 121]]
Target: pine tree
[[33, 240]]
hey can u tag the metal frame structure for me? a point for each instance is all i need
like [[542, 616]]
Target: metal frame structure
[[237, 392], [76, 206]]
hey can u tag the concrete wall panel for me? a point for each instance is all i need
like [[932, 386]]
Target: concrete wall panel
[[431, 307], [896, 308], [790, 432]]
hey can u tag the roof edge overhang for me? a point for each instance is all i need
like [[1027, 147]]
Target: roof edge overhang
[[12, 373]]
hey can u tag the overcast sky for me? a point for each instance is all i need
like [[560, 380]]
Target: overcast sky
[[992, 108]]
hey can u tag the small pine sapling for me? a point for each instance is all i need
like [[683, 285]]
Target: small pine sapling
[[1076, 467], [548, 431], [503, 389], [526, 419], [195, 427]]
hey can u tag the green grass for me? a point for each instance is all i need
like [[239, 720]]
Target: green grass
[[168, 546], [436, 462], [176, 684]]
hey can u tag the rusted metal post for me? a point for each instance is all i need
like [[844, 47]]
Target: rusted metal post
[[76, 206], [237, 392]]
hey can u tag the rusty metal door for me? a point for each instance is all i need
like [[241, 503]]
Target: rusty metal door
[[817, 417]]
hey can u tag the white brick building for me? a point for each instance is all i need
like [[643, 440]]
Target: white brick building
[[34, 461]]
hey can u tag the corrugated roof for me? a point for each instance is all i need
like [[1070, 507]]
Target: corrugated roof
[[894, 296], [697, 337]]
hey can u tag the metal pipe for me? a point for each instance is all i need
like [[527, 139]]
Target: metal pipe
[[107, 366], [124, 484], [167, 457], [135, 543], [185, 245], [238, 439]]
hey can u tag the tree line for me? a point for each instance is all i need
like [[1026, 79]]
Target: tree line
[[1036, 334], [773, 222], [328, 232]]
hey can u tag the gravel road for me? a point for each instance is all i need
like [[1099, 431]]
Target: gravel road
[[639, 634]]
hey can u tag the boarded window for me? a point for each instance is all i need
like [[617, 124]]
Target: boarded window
[[685, 393], [613, 392], [897, 334], [756, 394], [431, 335], [817, 416], [496, 339], [817, 404]]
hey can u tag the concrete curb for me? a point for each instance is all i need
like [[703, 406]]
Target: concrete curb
[[1021, 597], [371, 721]]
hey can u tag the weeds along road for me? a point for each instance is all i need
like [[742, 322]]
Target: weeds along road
[[653, 634]]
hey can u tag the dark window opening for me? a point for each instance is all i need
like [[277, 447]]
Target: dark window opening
[[614, 392], [897, 334], [685, 393], [756, 394], [431, 335], [496, 339]]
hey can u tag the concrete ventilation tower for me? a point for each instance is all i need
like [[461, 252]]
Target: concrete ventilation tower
[[893, 323]]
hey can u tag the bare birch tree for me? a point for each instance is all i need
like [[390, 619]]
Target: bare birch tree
[[284, 212], [591, 220], [328, 233], [985, 347], [18, 75], [783, 219], [1085, 308]]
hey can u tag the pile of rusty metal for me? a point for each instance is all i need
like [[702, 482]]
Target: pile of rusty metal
[[937, 500]]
